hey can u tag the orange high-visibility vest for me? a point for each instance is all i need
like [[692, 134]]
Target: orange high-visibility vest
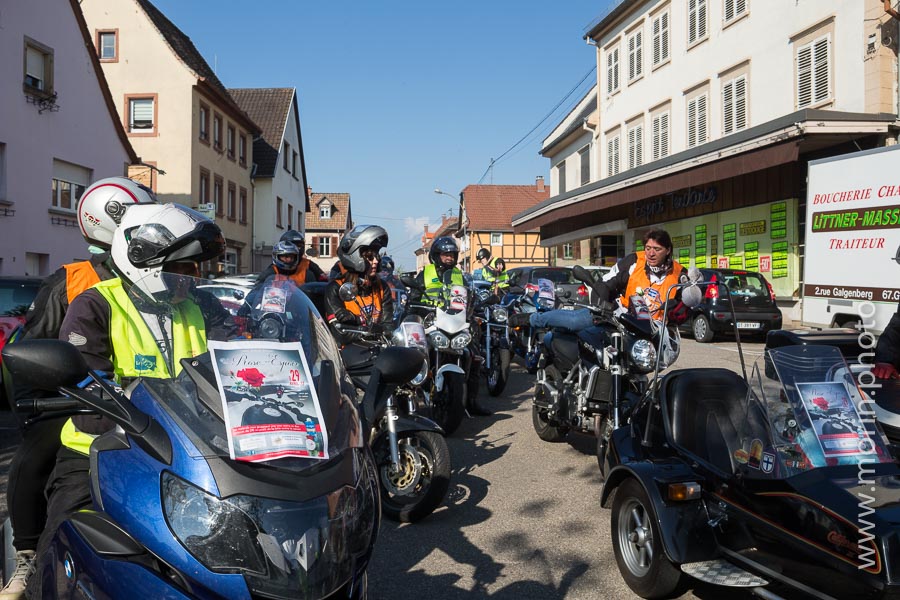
[[653, 292], [79, 277]]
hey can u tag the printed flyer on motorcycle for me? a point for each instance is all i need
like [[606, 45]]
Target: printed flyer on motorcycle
[[834, 417], [271, 407]]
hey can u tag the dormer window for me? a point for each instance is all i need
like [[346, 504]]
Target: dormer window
[[325, 211]]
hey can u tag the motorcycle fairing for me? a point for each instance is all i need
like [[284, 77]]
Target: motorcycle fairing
[[439, 377]]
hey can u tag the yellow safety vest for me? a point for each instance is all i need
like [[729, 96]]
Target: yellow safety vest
[[134, 351], [433, 283], [502, 279]]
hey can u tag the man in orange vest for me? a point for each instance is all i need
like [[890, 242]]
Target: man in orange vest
[[99, 211]]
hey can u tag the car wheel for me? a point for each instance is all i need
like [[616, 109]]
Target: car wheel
[[701, 329], [637, 544]]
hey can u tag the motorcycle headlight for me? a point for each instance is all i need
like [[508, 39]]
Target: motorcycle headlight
[[461, 340], [423, 374], [643, 355], [439, 340], [500, 315]]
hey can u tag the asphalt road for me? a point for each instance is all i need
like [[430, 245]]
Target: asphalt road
[[523, 518]]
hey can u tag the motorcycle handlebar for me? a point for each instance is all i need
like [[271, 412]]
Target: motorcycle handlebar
[[38, 405]]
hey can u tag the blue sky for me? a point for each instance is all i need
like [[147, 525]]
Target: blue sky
[[400, 97]]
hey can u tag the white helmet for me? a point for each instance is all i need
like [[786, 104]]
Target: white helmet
[[150, 236], [103, 204]]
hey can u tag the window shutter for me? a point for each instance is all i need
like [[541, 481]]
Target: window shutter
[[654, 133], [692, 20], [632, 66], [729, 10], [820, 69], [740, 103], [665, 35], [609, 73], [701, 119], [692, 123], [609, 157], [616, 153], [656, 40], [34, 66], [701, 19], [639, 145], [639, 53], [616, 68], [664, 135], [728, 107], [631, 148], [804, 76], [740, 7]]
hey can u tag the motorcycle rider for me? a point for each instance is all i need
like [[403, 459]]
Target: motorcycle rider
[[99, 211], [301, 271], [141, 323], [443, 255], [493, 270], [358, 261]]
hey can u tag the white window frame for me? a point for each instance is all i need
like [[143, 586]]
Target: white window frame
[[568, 251], [100, 37], [229, 260], [660, 33], [660, 135], [698, 120], [733, 10], [561, 176], [612, 155], [204, 122], [325, 246], [636, 54], [813, 63], [496, 238], [325, 211], [612, 70], [132, 101], [698, 21], [636, 146], [584, 165], [734, 105]]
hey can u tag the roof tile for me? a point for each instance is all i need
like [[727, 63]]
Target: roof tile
[[340, 212], [269, 108], [491, 207]]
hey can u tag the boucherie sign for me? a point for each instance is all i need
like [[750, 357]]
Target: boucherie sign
[[667, 204]]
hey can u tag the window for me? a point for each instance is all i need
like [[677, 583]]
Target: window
[[660, 133], [294, 165], [660, 29], [584, 159], [612, 70], [568, 251], [290, 214], [217, 195], [286, 157], [696, 21], [108, 45], [37, 264], [279, 208], [734, 105], [496, 238], [38, 68], [696, 121], [242, 213], [68, 184], [229, 261], [612, 155], [636, 55], [232, 201], [561, 176], [142, 115], [734, 9], [229, 141], [242, 150], [325, 246], [204, 123], [217, 132], [813, 76], [325, 211], [635, 146], [204, 186]]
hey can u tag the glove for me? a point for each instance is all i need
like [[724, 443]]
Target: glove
[[885, 371], [679, 314]]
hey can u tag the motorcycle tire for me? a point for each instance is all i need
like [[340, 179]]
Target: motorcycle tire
[[542, 427], [498, 372], [433, 482], [637, 544], [448, 406]]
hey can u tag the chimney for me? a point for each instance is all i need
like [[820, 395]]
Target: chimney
[[539, 182], [309, 191]]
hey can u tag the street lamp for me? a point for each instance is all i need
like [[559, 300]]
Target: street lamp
[[440, 191]]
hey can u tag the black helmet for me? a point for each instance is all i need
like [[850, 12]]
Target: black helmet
[[482, 254], [295, 237], [360, 237], [387, 265], [282, 250], [440, 245]]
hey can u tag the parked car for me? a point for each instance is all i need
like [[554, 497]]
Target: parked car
[[16, 296], [561, 277], [230, 291], [754, 305]]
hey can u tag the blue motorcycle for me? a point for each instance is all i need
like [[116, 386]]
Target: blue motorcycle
[[180, 511]]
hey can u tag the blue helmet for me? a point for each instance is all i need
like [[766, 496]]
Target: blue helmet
[[387, 265], [286, 257]]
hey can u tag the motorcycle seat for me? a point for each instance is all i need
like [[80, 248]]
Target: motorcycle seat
[[564, 347], [705, 411]]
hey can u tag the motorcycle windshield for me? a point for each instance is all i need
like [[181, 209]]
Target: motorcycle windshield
[[262, 385], [805, 411]]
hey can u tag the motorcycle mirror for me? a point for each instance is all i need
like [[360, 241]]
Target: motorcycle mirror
[[347, 292], [44, 364], [312, 252], [399, 365], [238, 294]]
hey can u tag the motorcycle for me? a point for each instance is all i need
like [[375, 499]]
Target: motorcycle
[[411, 454], [188, 504], [584, 377], [491, 338], [524, 340], [450, 361]]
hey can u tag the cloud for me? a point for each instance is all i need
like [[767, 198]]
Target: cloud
[[416, 225]]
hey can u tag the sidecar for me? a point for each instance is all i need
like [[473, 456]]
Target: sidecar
[[741, 484]]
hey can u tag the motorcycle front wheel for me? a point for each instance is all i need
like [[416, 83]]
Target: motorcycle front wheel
[[448, 405], [540, 420], [418, 487], [498, 371]]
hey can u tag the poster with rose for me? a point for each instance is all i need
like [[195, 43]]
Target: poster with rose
[[271, 407]]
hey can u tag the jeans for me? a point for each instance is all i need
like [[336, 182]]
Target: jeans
[[571, 320]]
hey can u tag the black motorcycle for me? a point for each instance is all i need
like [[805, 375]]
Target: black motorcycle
[[411, 454], [491, 339]]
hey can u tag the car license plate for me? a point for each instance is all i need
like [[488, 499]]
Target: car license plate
[[747, 325]]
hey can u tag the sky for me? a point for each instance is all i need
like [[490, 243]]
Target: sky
[[398, 98]]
